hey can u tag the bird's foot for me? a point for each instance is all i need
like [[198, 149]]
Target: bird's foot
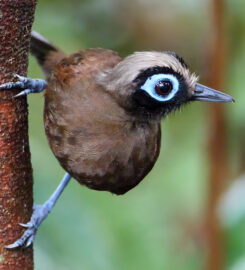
[[40, 212], [28, 85]]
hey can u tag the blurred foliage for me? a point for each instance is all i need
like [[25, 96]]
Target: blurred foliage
[[159, 224]]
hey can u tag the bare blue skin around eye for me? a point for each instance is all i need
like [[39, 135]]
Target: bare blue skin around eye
[[149, 86]]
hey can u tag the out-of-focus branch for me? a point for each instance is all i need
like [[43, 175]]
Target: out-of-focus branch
[[16, 198], [217, 141]]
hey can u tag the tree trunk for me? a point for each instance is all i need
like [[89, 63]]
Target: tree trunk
[[217, 141], [16, 197]]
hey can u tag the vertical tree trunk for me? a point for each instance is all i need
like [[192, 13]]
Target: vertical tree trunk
[[16, 198], [217, 141]]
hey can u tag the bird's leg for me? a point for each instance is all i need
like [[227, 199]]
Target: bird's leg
[[28, 85], [40, 212]]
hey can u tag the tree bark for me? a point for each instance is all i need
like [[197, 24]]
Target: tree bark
[[16, 195], [217, 141]]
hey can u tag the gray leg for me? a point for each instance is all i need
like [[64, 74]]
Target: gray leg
[[40, 212], [28, 85]]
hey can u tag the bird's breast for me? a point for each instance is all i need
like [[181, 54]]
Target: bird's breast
[[105, 159]]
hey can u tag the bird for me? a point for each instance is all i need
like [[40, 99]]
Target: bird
[[102, 114]]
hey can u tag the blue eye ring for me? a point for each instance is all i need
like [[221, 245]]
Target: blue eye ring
[[151, 82]]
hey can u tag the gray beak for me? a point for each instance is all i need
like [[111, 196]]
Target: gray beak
[[204, 93]]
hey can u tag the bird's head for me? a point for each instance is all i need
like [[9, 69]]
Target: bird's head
[[156, 83]]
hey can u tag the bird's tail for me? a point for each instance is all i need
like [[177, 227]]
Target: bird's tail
[[45, 52]]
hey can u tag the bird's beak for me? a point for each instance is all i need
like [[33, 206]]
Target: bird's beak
[[204, 93]]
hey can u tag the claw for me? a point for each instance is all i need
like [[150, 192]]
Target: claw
[[30, 241], [11, 85], [23, 93], [26, 225], [21, 78], [11, 246]]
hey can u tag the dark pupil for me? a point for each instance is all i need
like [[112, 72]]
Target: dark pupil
[[163, 88]]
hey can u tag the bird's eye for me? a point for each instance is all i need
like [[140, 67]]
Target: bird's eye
[[161, 87]]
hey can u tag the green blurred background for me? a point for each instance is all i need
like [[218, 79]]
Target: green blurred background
[[161, 223]]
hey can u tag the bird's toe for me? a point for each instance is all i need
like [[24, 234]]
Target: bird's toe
[[40, 212]]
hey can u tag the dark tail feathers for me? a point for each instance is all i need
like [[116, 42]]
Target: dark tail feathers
[[45, 52]]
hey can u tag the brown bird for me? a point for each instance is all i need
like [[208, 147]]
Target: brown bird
[[102, 114]]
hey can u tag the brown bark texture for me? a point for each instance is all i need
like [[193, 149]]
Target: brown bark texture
[[217, 141], [16, 197]]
